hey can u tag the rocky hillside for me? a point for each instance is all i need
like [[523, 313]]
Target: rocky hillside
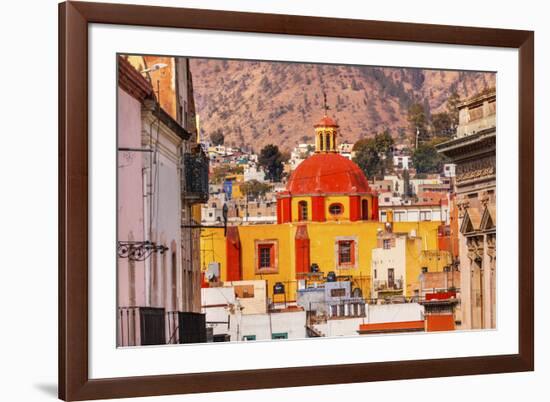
[[256, 103]]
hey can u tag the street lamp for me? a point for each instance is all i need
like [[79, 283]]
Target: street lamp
[[154, 67]]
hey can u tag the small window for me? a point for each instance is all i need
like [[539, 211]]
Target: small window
[[386, 244], [391, 277], [279, 335], [244, 291], [346, 251], [340, 292], [302, 211], [336, 209], [249, 337], [266, 260], [424, 270], [265, 252], [425, 215], [365, 210], [375, 274]]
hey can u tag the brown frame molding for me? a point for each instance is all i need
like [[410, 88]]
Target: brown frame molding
[[74, 17]]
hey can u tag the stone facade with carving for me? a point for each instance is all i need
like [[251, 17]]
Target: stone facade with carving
[[473, 151]]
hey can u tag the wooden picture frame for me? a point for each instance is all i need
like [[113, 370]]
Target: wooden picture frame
[[74, 381]]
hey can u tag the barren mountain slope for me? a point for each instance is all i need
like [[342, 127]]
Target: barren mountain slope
[[256, 103]]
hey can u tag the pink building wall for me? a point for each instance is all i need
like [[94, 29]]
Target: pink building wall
[[131, 274]]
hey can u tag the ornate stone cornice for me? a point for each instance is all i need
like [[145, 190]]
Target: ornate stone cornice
[[476, 169], [470, 146]]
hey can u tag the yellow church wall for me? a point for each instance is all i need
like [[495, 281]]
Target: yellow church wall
[[323, 237], [323, 250], [295, 201], [212, 246], [344, 200], [284, 235], [412, 265], [421, 252]]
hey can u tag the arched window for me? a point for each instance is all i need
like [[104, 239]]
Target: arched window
[[302, 211], [328, 141], [321, 141], [365, 210], [336, 209]]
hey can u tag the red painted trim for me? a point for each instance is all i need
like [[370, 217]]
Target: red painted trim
[[286, 209], [440, 322], [318, 208], [392, 326], [302, 249], [354, 208], [233, 254], [440, 296], [279, 213]]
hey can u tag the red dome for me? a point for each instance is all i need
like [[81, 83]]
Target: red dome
[[326, 122], [327, 173]]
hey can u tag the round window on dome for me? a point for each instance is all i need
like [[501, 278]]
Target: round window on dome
[[336, 209]]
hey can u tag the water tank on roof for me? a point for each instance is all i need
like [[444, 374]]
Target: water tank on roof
[[278, 288], [314, 267], [331, 276]]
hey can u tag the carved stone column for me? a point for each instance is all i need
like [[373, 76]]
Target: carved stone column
[[475, 255], [465, 283], [490, 248]]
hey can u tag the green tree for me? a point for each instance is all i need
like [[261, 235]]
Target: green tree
[[374, 155], [254, 189], [426, 159], [271, 159], [418, 122], [442, 125], [407, 188], [452, 108], [217, 137], [366, 156]]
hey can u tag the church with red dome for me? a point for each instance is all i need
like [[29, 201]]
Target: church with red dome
[[327, 186], [327, 225]]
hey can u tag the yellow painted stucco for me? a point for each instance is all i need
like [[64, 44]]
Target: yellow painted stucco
[[323, 236], [295, 201], [344, 200]]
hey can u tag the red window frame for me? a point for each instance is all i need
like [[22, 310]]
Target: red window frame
[[264, 250], [351, 245]]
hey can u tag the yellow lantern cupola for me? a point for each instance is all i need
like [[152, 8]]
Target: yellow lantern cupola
[[325, 135]]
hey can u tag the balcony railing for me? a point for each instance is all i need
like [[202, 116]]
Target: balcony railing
[[139, 326], [195, 177], [381, 285]]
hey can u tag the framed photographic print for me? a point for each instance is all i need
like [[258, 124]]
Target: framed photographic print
[[260, 200]]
